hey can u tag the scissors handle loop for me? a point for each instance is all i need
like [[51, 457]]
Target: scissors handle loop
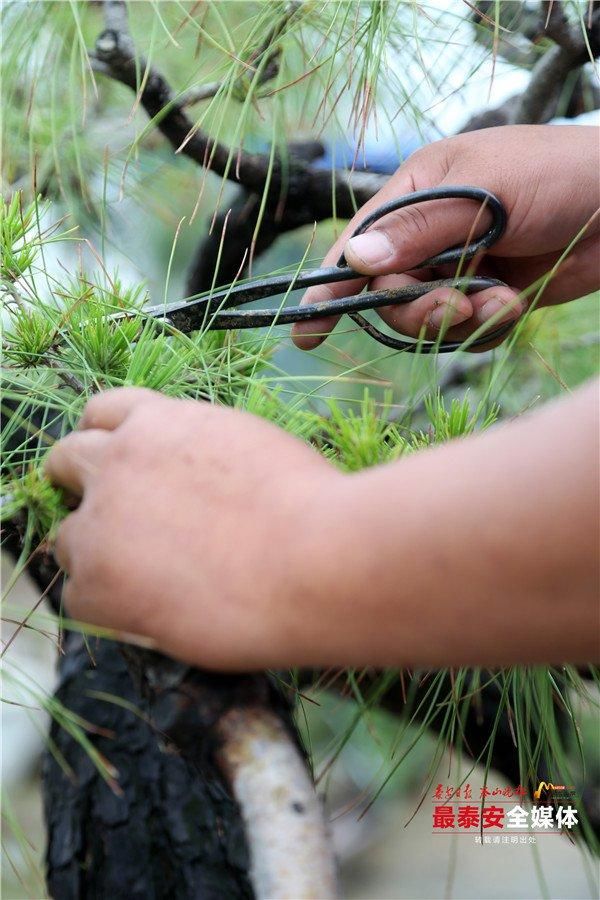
[[220, 309]]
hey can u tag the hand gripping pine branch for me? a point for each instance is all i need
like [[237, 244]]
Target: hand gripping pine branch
[[233, 731], [237, 729]]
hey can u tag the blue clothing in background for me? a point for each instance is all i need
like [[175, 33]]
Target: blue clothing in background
[[383, 156]]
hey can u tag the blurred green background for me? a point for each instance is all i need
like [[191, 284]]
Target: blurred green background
[[144, 210]]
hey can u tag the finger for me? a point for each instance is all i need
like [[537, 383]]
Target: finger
[[435, 311], [76, 459], [491, 309], [480, 325], [496, 305], [71, 600], [109, 409], [413, 175], [64, 540], [405, 238], [400, 241], [444, 308], [308, 335]]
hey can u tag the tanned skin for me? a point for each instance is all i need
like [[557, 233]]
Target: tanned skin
[[234, 546]]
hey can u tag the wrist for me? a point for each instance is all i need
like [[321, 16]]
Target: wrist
[[359, 600], [336, 587], [314, 580]]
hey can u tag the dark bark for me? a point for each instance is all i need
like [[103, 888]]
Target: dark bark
[[304, 190], [171, 831], [239, 225], [574, 44], [167, 826]]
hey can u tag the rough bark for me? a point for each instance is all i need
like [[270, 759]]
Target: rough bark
[[174, 829], [169, 830], [167, 824]]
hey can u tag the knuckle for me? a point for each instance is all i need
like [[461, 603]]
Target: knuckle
[[399, 319], [405, 225], [129, 439], [415, 220], [502, 292], [95, 406], [64, 541], [89, 414], [60, 551], [50, 460], [319, 294]]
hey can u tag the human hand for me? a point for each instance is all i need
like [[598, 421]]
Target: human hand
[[233, 546], [547, 179], [188, 528]]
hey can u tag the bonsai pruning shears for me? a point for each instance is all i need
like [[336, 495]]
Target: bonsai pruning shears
[[219, 309]]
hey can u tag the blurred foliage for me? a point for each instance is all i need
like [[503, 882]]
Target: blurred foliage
[[100, 216]]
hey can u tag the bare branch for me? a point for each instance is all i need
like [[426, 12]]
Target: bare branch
[[289, 846], [508, 29], [240, 223], [115, 50], [539, 100], [538, 103], [268, 71], [308, 188], [558, 28], [67, 378], [115, 15], [198, 94]]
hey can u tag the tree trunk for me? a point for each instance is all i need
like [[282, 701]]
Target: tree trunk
[[167, 827]]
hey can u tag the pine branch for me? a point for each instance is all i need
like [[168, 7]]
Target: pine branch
[[307, 196], [538, 103], [307, 189], [68, 378], [572, 49]]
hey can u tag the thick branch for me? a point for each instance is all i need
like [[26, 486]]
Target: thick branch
[[308, 188], [508, 29], [116, 51], [289, 846], [539, 100]]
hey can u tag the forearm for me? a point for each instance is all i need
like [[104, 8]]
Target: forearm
[[483, 551], [250, 551]]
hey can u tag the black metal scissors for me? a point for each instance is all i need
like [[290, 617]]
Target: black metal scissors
[[218, 310]]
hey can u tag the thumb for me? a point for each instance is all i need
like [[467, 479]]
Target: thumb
[[419, 171], [400, 240], [412, 234]]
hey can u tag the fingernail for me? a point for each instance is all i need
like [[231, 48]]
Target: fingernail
[[445, 315], [511, 308], [372, 248]]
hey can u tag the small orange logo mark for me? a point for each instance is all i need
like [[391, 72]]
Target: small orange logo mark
[[547, 785]]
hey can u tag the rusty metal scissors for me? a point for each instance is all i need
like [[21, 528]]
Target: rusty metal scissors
[[219, 309]]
